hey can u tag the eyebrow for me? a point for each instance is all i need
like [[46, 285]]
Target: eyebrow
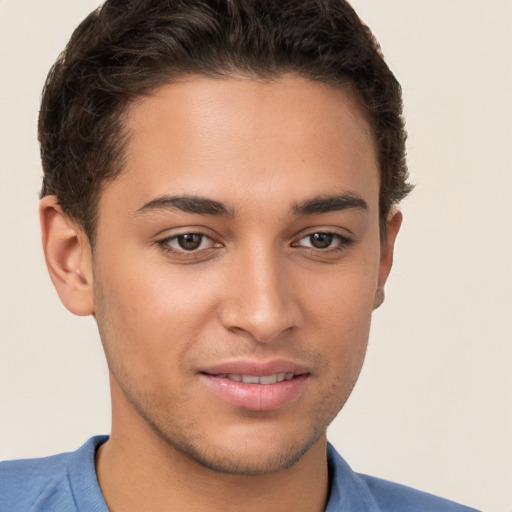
[[330, 203], [204, 206], [189, 204]]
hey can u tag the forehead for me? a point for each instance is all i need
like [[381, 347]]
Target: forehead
[[241, 138]]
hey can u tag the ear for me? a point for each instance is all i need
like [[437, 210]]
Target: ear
[[393, 224], [68, 257]]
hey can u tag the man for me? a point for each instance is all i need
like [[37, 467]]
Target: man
[[220, 192]]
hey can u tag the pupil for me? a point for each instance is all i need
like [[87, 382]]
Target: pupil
[[190, 241], [321, 240]]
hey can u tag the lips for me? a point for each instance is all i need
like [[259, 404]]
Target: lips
[[255, 379], [256, 386]]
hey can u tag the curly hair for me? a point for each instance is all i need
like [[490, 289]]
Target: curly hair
[[125, 49]]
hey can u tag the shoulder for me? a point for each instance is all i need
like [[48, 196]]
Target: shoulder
[[34, 484], [370, 494], [394, 497], [47, 483]]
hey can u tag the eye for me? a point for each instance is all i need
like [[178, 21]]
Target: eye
[[324, 240], [187, 242]]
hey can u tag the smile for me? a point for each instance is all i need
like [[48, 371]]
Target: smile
[[255, 379], [256, 386]]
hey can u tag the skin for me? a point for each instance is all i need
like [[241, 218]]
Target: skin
[[256, 288]]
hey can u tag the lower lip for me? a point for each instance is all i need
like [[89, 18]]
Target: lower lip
[[256, 397]]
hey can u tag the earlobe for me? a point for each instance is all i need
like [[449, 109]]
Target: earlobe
[[386, 259], [68, 257]]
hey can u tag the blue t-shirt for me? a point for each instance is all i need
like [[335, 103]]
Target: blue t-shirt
[[68, 483]]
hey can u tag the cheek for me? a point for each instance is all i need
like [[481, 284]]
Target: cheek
[[342, 343], [149, 315], [338, 310], [342, 298]]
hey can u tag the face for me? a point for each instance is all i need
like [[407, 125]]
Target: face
[[236, 266]]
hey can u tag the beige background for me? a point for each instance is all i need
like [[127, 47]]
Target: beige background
[[433, 407]]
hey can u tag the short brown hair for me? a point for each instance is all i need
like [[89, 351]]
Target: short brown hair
[[125, 49]]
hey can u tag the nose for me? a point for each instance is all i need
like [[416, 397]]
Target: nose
[[259, 299]]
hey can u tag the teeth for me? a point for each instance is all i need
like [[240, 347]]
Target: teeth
[[268, 379], [250, 379], [254, 379]]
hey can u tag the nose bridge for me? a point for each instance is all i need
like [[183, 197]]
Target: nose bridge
[[259, 301]]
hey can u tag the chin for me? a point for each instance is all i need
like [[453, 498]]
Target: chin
[[248, 458], [244, 449]]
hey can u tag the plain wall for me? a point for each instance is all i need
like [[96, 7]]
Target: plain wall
[[433, 405]]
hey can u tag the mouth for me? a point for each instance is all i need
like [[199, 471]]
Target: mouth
[[255, 379], [254, 386]]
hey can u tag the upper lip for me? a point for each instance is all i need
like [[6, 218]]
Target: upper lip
[[257, 368]]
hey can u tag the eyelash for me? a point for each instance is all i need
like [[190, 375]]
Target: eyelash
[[343, 242], [166, 246]]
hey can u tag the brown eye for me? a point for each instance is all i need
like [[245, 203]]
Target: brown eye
[[324, 241], [188, 244], [189, 241], [321, 240]]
